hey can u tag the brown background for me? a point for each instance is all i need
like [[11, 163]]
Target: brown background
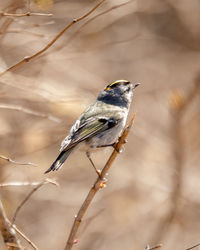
[[153, 190]]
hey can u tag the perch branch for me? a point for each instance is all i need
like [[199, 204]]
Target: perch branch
[[99, 183], [46, 181], [28, 58], [17, 162], [8, 233]]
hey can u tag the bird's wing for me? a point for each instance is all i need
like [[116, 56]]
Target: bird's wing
[[89, 128]]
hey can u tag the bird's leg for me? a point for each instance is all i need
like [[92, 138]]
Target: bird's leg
[[88, 156], [111, 145]]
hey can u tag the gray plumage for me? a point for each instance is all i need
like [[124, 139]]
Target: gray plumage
[[101, 123]]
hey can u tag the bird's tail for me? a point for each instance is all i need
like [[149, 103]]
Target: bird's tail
[[60, 160]]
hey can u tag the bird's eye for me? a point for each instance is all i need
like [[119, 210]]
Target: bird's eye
[[127, 89], [126, 83]]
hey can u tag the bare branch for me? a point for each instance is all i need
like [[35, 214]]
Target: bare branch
[[17, 162], [46, 181], [28, 32], [154, 247], [8, 233], [96, 16], [19, 184], [28, 58], [12, 7], [92, 19], [193, 246], [5, 26], [29, 111], [24, 14], [24, 236], [99, 183]]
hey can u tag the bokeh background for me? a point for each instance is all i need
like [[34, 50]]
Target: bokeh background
[[153, 189]]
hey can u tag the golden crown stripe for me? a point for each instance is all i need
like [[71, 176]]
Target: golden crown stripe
[[118, 81]]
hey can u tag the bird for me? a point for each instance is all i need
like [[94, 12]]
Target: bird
[[101, 124]]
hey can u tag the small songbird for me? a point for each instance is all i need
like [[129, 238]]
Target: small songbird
[[101, 123]]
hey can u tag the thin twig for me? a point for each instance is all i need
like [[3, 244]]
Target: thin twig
[[24, 14], [8, 233], [46, 181], [98, 15], [24, 236], [28, 58], [17, 162], [193, 246], [27, 32], [29, 111], [12, 7], [90, 20], [19, 184], [154, 247], [5, 26], [99, 183]]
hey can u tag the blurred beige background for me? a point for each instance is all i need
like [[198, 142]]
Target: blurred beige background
[[153, 190]]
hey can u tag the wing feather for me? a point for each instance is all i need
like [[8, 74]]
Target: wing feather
[[88, 129]]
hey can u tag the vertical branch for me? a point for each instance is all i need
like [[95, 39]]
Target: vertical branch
[[8, 233], [179, 106]]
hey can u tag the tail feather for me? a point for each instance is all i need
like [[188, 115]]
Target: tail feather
[[59, 160]]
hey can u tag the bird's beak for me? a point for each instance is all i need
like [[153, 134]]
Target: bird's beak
[[137, 84]]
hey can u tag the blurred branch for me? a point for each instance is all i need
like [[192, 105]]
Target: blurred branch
[[46, 181], [17, 162], [92, 19], [12, 7], [29, 111], [28, 32], [24, 14], [99, 183], [151, 248], [15, 245], [193, 246], [19, 184], [179, 107], [8, 233], [24, 236], [29, 58], [5, 26], [30, 25]]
